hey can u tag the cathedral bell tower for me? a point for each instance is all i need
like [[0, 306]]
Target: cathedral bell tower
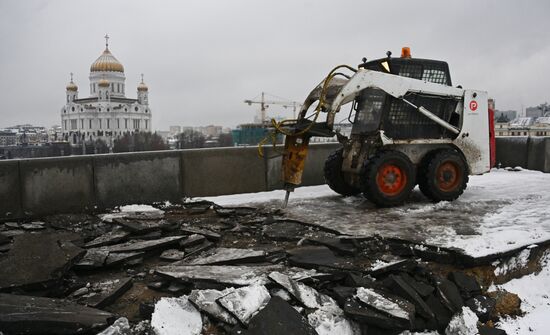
[[143, 92], [72, 90]]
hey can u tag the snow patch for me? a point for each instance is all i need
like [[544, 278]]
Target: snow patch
[[128, 210], [463, 323], [120, 327], [329, 319], [534, 291], [139, 209], [176, 316]]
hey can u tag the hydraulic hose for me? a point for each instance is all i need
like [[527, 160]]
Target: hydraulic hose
[[278, 125]]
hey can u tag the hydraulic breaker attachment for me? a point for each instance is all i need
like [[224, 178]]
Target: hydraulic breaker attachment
[[294, 158]]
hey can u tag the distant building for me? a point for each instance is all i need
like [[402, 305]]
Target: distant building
[[505, 116], [164, 134], [251, 134], [107, 113], [174, 130], [210, 131], [537, 111], [55, 133], [524, 126], [7, 137], [27, 134]]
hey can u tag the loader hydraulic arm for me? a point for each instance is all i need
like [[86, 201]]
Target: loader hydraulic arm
[[331, 94]]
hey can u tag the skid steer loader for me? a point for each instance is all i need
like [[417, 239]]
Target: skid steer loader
[[409, 126]]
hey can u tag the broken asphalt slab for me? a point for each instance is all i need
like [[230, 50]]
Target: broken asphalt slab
[[276, 318], [231, 274], [243, 303], [358, 312], [147, 245], [206, 301], [93, 259], [108, 238], [192, 240], [36, 261], [172, 255], [394, 307], [307, 296], [399, 286], [340, 246], [221, 256], [285, 231], [143, 226], [105, 293], [35, 315], [118, 258], [213, 236], [318, 256]]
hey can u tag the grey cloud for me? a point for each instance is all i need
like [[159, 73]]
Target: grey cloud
[[201, 59]]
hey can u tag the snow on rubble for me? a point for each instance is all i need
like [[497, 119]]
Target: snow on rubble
[[198, 267], [133, 211], [499, 211], [173, 316]]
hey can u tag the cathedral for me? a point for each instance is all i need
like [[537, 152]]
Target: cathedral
[[107, 113]]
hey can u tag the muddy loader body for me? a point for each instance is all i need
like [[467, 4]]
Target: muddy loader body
[[410, 127]]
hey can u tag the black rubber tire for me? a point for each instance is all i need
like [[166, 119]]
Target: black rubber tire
[[422, 172], [333, 175], [371, 178], [433, 186]]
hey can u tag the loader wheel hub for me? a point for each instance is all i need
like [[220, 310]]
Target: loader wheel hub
[[448, 176], [391, 179]]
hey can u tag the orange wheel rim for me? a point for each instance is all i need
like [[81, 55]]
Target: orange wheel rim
[[391, 179], [448, 176]]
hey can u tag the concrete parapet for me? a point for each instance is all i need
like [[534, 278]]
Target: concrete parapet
[[219, 171], [531, 152], [138, 177], [512, 151], [10, 192], [53, 185], [538, 154]]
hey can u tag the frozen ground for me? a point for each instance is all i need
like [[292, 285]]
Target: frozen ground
[[499, 211]]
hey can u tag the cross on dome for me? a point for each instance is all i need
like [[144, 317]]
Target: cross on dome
[[106, 41]]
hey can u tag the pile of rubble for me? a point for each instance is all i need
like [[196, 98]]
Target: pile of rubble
[[198, 268]]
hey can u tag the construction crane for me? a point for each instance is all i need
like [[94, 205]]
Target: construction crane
[[264, 104]]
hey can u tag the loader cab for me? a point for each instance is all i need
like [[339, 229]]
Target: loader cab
[[375, 110], [430, 70]]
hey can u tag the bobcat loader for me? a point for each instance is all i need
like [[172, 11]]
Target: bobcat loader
[[410, 127]]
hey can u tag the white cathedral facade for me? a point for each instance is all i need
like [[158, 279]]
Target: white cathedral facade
[[107, 113]]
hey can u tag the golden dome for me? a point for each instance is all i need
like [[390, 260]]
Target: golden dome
[[106, 62], [103, 83], [72, 87], [142, 87]]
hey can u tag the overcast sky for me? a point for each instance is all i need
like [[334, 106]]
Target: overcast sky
[[201, 59]]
